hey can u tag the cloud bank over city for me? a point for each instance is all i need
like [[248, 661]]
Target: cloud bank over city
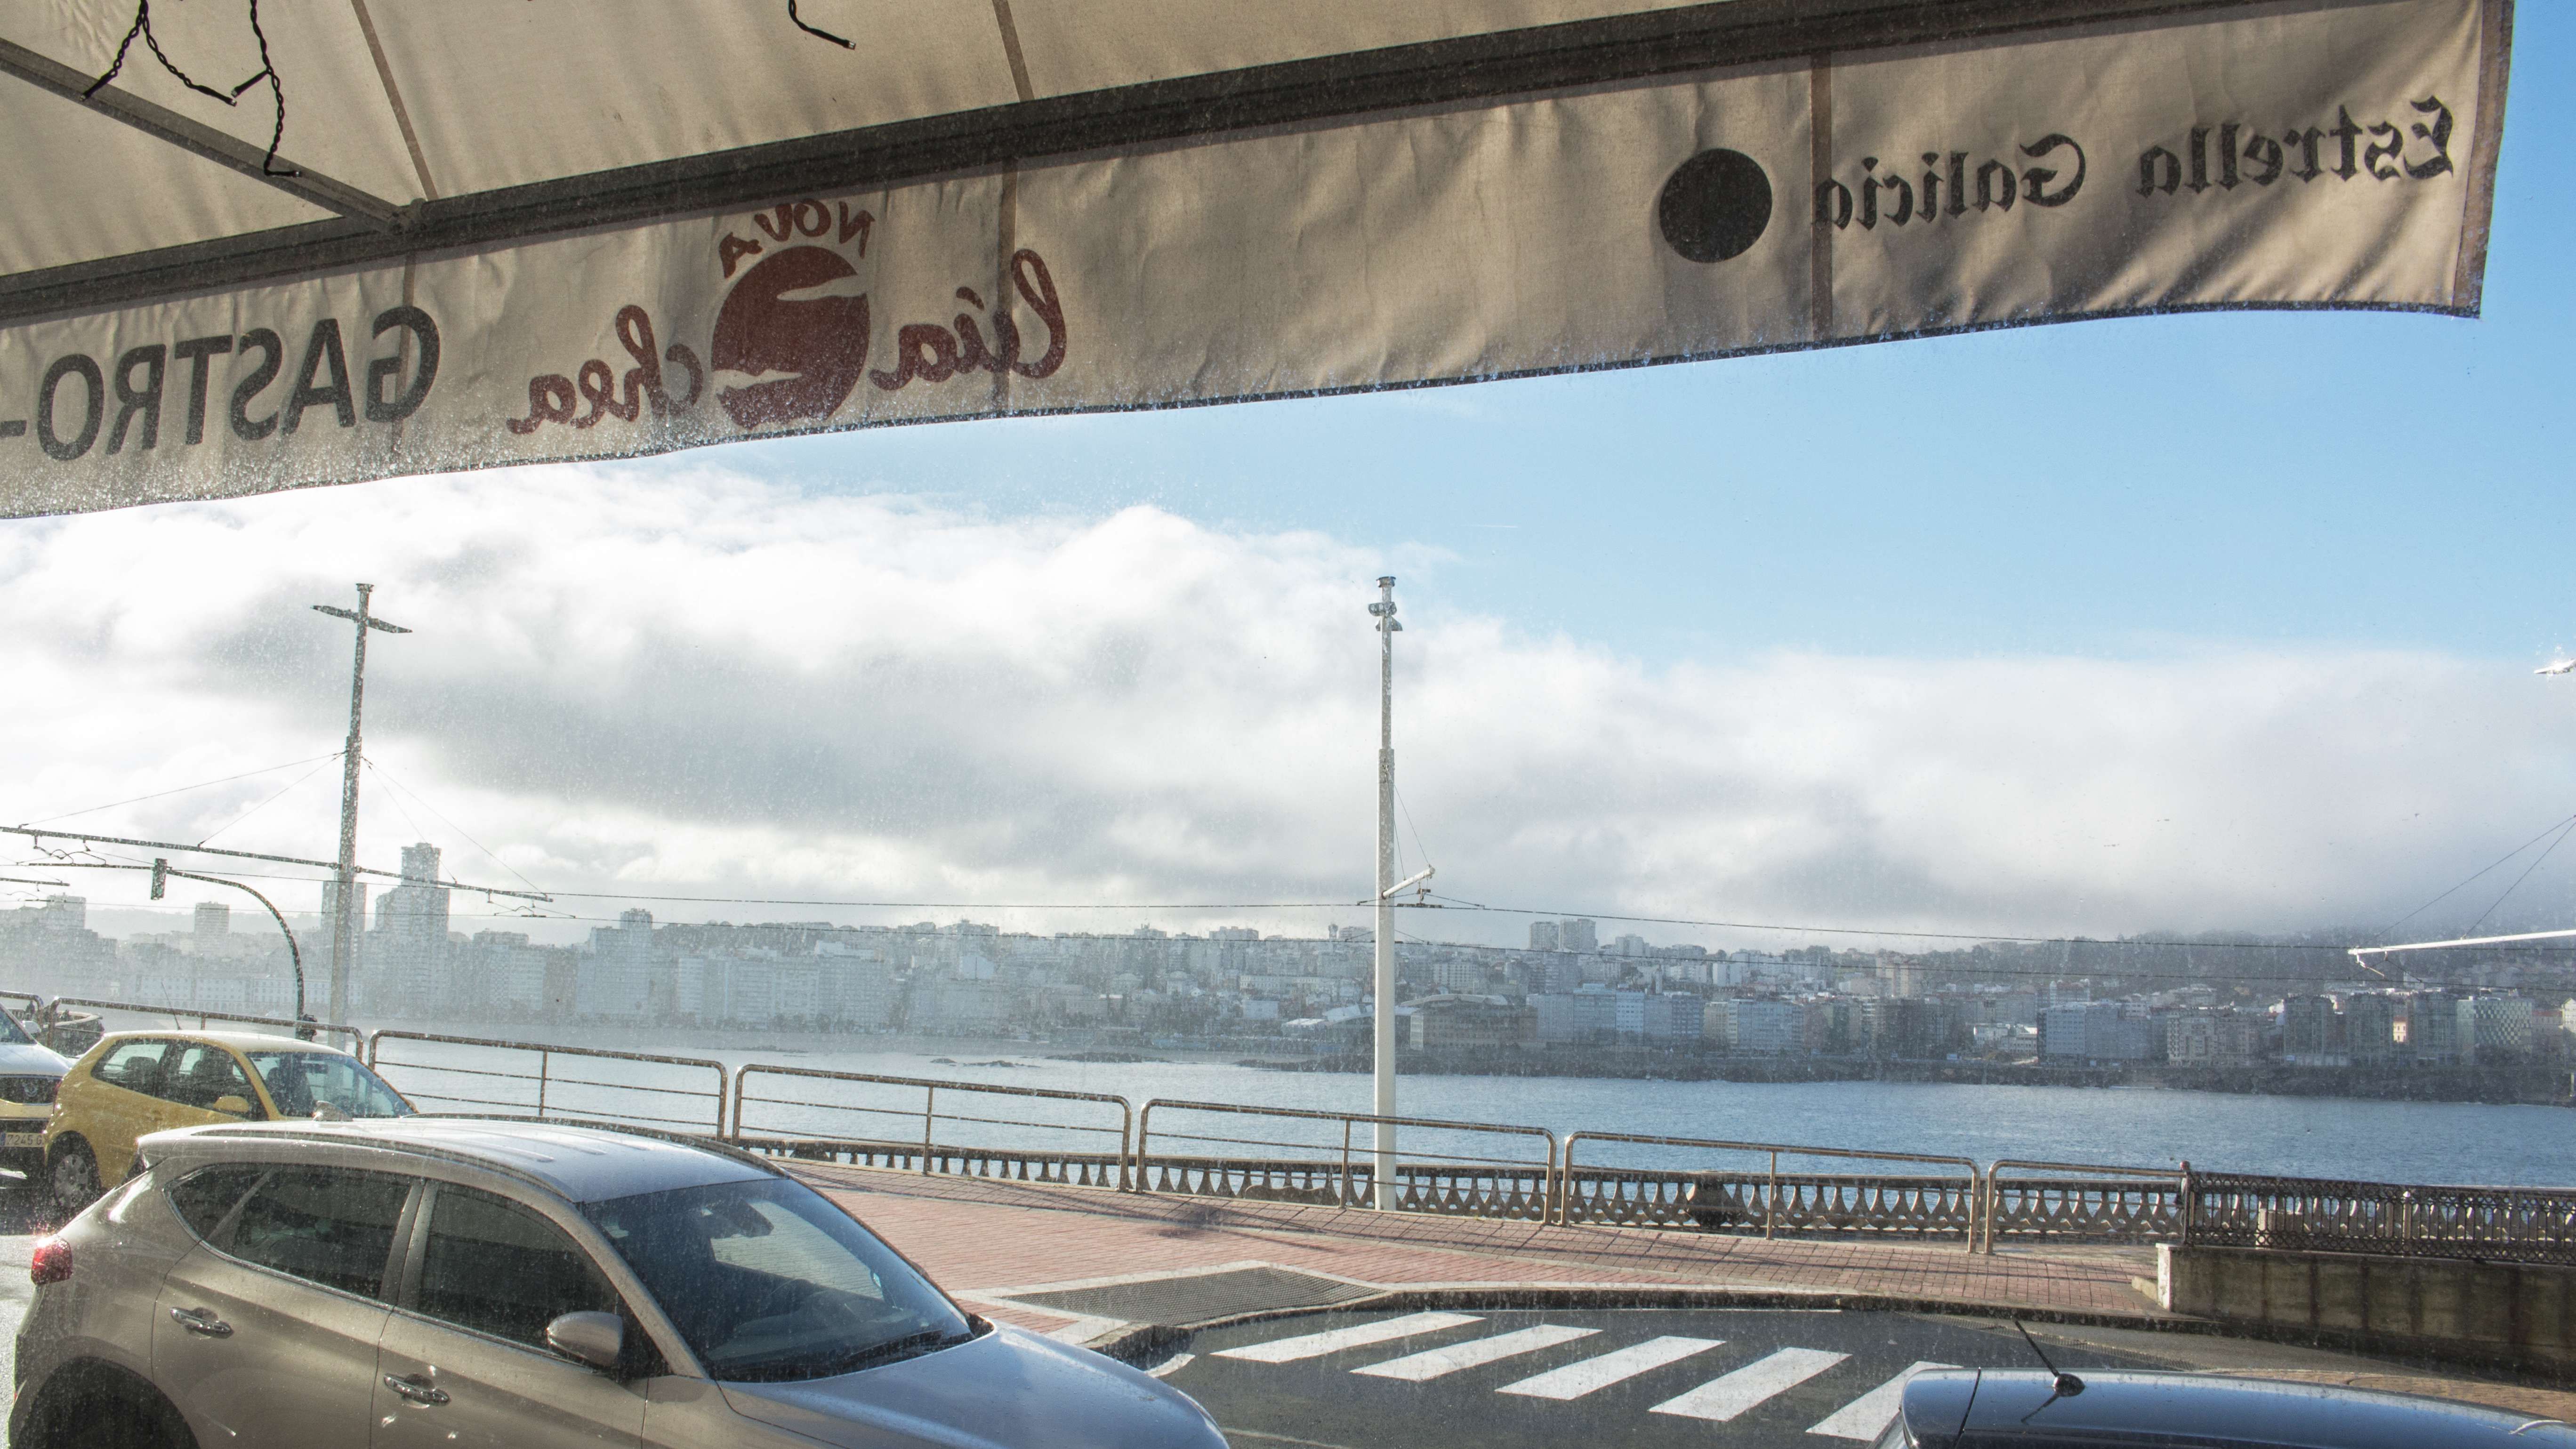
[[693, 682]]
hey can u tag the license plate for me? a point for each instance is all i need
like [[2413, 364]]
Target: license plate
[[22, 1139]]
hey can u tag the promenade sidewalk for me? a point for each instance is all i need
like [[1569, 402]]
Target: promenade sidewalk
[[985, 1239]]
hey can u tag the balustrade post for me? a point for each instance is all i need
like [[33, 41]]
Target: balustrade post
[[545, 1067], [929, 1113], [1344, 1196], [2190, 1203], [1771, 1198]]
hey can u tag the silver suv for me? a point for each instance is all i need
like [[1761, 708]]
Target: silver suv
[[423, 1281]]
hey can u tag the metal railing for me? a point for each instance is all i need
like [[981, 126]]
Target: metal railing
[[1105, 1168], [355, 1043], [2084, 1201], [1775, 1202], [1333, 1163], [556, 1093], [1344, 1173], [2496, 1224]]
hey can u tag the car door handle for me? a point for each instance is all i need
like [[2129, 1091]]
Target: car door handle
[[419, 1391], [201, 1321]]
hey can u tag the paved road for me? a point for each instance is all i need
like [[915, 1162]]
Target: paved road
[[1626, 1379], [24, 1217]]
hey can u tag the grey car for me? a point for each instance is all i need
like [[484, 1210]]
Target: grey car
[[2032, 1409], [449, 1281]]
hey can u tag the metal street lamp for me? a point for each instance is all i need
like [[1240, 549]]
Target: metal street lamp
[[1384, 1171]]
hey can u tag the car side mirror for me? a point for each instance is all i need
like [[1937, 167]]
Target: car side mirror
[[233, 1105], [596, 1339]]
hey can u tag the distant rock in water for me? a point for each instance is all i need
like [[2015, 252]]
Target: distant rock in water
[[1121, 1057]]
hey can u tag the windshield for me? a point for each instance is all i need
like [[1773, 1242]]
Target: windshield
[[768, 1281], [300, 1082], [11, 1033]]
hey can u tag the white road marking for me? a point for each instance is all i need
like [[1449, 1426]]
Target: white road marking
[[1868, 1416], [1721, 1399], [1316, 1345], [1577, 1379], [1476, 1352]]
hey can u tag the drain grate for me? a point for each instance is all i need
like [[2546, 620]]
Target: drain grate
[[1199, 1297]]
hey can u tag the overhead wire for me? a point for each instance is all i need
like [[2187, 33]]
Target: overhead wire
[[181, 790], [264, 804], [423, 802], [2518, 880], [2472, 878]]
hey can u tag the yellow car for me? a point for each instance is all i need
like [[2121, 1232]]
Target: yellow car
[[138, 1082]]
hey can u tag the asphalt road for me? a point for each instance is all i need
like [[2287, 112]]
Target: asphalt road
[[24, 1217], [1618, 1379]]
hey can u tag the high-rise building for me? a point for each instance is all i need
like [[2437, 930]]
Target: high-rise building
[[1544, 936], [2495, 1028], [2312, 1032], [2370, 1027], [213, 919], [617, 979], [65, 913], [411, 938], [1577, 936], [2433, 1022]]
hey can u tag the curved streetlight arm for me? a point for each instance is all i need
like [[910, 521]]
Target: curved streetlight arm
[[294, 955]]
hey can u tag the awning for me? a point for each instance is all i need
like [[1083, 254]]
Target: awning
[[367, 239]]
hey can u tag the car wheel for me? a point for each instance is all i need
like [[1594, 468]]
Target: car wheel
[[74, 1176]]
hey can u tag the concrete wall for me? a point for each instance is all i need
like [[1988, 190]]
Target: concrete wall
[[2453, 1308]]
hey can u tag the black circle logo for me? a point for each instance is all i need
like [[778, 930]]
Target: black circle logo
[[1715, 205]]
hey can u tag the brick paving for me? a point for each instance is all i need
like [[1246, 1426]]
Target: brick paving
[[980, 1236]]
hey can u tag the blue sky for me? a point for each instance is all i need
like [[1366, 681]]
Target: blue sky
[[2107, 489]]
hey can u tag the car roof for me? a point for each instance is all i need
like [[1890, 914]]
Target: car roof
[[240, 1041], [2010, 1406], [584, 1164]]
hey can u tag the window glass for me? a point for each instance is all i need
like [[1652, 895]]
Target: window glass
[[768, 1280], [203, 1197], [11, 1033], [133, 1065], [332, 1227], [299, 1081], [498, 1268], [202, 1074]]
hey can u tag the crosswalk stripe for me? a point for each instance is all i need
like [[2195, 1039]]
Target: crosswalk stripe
[[1721, 1399], [1432, 1363], [1577, 1379], [1868, 1416], [1316, 1345]]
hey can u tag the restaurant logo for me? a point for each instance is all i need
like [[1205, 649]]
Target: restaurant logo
[[794, 334]]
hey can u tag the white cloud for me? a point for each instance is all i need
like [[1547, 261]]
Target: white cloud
[[697, 683]]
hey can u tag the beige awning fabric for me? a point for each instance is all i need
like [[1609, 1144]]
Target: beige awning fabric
[[343, 239]]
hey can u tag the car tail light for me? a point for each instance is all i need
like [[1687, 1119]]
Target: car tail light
[[51, 1262]]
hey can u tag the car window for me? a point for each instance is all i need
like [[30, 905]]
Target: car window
[[767, 1280], [202, 1074], [330, 1227], [133, 1065], [498, 1268], [13, 1034], [776, 1241], [299, 1081], [205, 1196]]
